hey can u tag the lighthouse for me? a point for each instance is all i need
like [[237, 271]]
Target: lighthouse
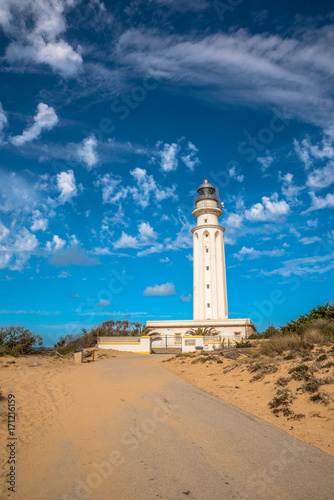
[[209, 271], [210, 327]]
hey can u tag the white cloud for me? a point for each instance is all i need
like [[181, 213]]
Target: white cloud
[[146, 233], [155, 248], [269, 210], [25, 241], [35, 30], [127, 241], [233, 174], [4, 232], [164, 260], [146, 236], [45, 119], [319, 203], [289, 190], [308, 152], [67, 186], [304, 266], [240, 68], [265, 161], [101, 251], [312, 223], [87, 152], [16, 252], [308, 240], [55, 244], [160, 290], [251, 253], [146, 186], [103, 303], [3, 122], [191, 160], [64, 274], [186, 298], [321, 178], [234, 221], [294, 231], [168, 157], [39, 223], [112, 191]]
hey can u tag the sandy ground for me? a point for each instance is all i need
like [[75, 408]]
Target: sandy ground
[[316, 427], [71, 419]]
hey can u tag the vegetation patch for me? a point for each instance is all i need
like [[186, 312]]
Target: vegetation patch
[[262, 371], [283, 381], [299, 372], [16, 340], [243, 344], [320, 398], [281, 403], [312, 385]]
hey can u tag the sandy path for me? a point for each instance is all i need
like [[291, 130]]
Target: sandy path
[[125, 428]]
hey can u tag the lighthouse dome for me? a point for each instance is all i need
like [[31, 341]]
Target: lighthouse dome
[[206, 191]]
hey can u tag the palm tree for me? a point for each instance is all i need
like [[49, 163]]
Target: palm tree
[[204, 332], [143, 330]]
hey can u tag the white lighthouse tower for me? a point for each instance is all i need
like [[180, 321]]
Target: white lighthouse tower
[[210, 312], [210, 294]]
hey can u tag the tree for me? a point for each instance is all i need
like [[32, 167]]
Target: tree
[[206, 331], [298, 325], [15, 340], [143, 329], [271, 331]]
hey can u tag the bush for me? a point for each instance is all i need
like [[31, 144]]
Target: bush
[[281, 402], [281, 343], [243, 344], [299, 372], [253, 336], [320, 398], [87, 339], [322, 313], [282, 381], [16, 340]]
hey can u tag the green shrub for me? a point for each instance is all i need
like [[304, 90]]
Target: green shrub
[[299, 372], [320, 398], [243, 344], [16, 340], [325, 313], [280, 403]]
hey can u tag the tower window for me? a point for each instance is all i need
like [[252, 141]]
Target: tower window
[[207, 286], [207, 235], [207, 250], [207, 268], [208, 305], [205, 220]]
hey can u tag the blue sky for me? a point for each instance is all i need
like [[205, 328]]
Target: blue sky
[[111, 116]]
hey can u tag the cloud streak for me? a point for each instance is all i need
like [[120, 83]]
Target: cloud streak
[[45, 119]]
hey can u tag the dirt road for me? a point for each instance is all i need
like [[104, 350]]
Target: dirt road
[[125, 428]]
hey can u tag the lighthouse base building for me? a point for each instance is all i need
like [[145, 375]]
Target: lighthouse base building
[[210, 327]]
